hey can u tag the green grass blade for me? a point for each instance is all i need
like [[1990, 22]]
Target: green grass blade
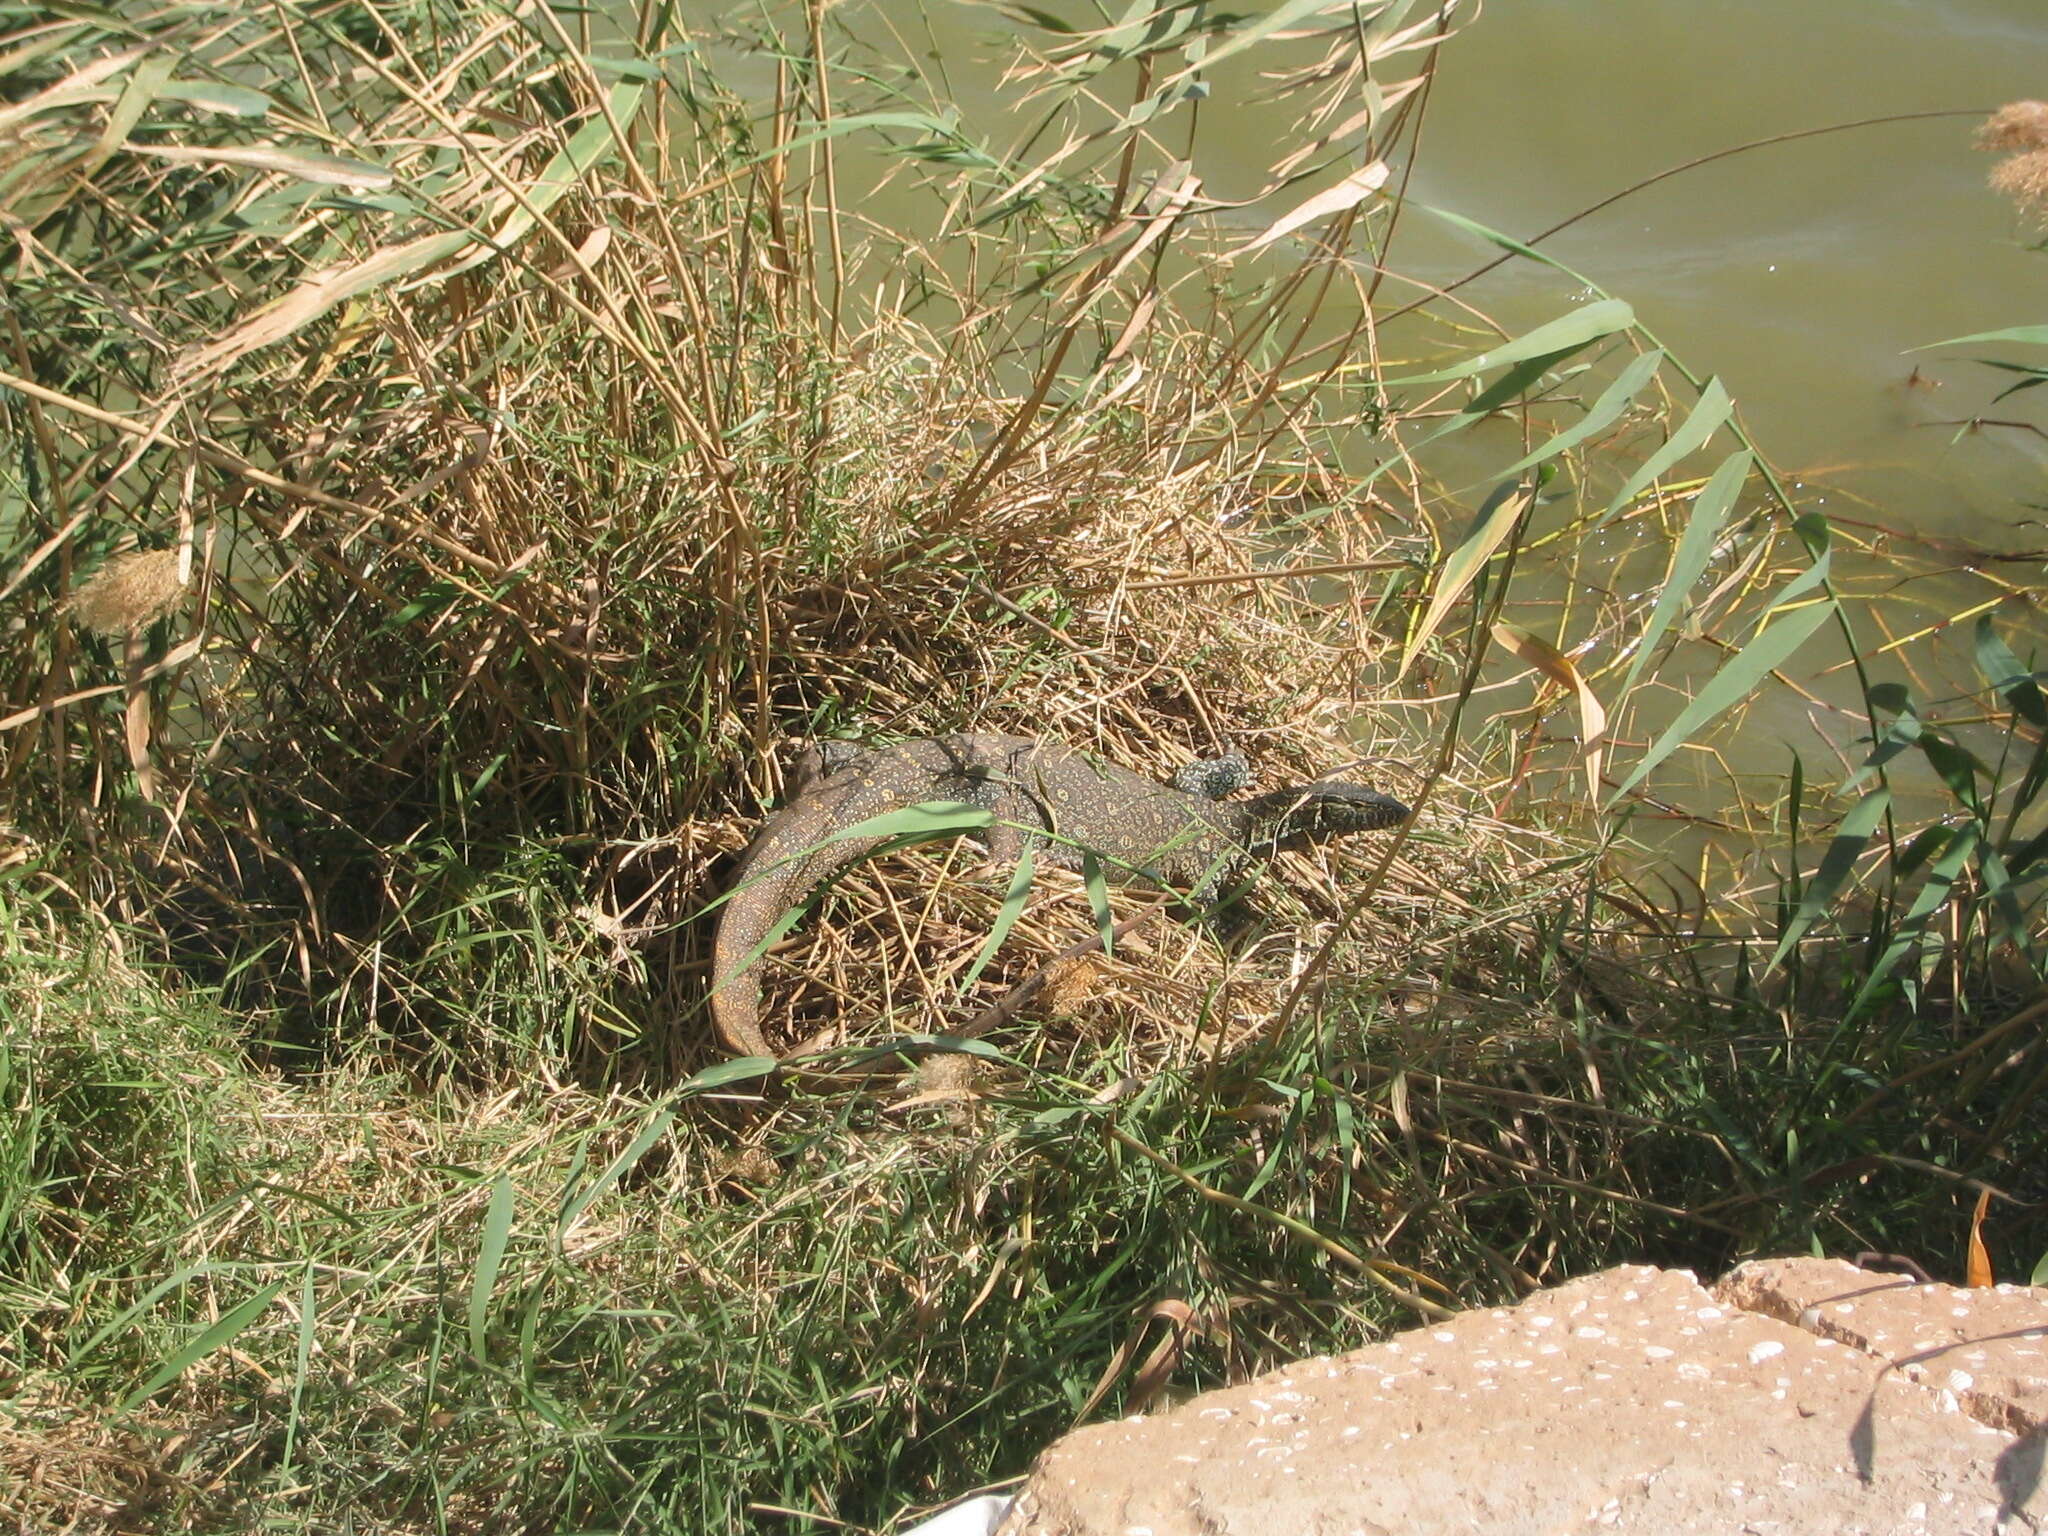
[[929, 819], [1912, 930], [1098, 900], [1615, 399], [907, 826], [142, 1304], [1707, 417], [903, 828], [1836, 865], [490, 1256], [1274, 1158], [224, 1331], [1347, 1139], [1736, 680], [1689, 562], [738, 1070], [616, 1169], [302, 1359], [1563, 334], [1006, 919]]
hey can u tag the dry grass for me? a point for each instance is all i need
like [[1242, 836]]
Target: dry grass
[[875, 1242], [2018, 125], [566, 545], [2024, 180], [130, 592], [2019, 130], [415, 1192]]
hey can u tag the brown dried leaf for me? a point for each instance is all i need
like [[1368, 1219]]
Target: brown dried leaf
[[1348, 193], [1555, 665], [136, 717], [1979, 1275], [314, 297], [324, 169], [1158, 1368]]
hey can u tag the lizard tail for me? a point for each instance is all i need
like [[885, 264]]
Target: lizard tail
[[786, 862]]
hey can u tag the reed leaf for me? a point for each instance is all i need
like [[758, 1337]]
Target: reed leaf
[[1489, 529], [1850, 842], [1703, 524], [1708, 415], [1565, 334], [1738, 678], [1602, 414], [218, 1335], [497, 1232]]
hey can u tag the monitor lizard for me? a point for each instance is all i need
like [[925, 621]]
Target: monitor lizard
[[1041, 795]]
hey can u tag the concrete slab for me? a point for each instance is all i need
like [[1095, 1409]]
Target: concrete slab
[[1631, 1401], [1989, 1346]]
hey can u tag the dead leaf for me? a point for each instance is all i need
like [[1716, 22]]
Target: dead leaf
[[324, 169], [1979, 1276], [1182, 1321], [1348, 193], [314, 297], [136, 716], [1555, 665]]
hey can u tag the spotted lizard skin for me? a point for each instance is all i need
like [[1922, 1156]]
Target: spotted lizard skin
[[1041, 794]]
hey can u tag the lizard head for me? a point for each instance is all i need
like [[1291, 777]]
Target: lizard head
[[1315, 813]]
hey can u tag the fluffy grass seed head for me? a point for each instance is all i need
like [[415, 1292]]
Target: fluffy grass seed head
[[2024, 179], [2016, 125], [129, 592]]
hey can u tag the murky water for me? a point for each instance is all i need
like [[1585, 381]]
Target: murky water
[[1802, 273]]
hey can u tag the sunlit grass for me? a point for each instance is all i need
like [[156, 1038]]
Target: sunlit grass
[[521, 447]]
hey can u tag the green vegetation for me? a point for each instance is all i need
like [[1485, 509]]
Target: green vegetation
[[445, 449]]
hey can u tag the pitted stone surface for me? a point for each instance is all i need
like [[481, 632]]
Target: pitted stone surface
[[1632, 1401], [1988, 1346]]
